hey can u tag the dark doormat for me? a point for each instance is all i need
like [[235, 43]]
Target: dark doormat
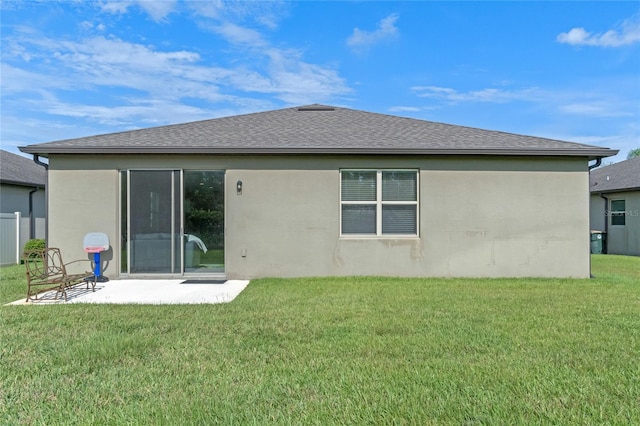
[[203, 282]]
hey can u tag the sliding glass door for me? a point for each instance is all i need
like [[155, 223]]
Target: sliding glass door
[[172, 222], [154, 221], [203, 221]]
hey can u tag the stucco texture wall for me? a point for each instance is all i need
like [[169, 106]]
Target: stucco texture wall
[[479, 216], [82, 201], [506, 223]]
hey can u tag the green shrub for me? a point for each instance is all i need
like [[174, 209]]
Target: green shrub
[[35, 244]]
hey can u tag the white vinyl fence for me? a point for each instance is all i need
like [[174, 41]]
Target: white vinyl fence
[[14, 233]]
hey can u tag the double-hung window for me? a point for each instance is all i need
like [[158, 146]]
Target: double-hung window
[[379, 202], [618, 212]]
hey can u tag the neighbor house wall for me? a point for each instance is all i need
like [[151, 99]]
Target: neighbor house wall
[[479, 216], [15, 198], [625, 239], [597, 212]]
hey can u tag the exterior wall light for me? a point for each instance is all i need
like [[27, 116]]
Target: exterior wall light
[[239, 187]]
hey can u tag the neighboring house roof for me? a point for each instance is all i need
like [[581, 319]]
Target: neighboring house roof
[[18, 170], [317, 129], [622, 176]]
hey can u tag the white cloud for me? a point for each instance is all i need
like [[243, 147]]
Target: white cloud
[[115, 7], [101, 63], [156, 9], [265, 13], [492, 95], [593, 103], [151, 112], [299, 82], [16, 80], [594, 109], [400, 108], [208, 9], [627, 33], [142, 83], [286, 75], [386, 30], [608, 105], [175, 80], [239, 35], [103, 83], [102, 50], [290, 79]]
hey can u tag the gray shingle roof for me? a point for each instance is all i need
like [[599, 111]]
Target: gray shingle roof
[[317, 129], [622, 176], [18, 170]]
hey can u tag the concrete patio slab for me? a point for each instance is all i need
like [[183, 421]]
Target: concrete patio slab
[[153, 292]]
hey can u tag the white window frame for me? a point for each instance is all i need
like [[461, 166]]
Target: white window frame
[[618, 213], [379, 203]]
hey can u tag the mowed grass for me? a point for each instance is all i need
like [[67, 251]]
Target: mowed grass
[[335, 351]]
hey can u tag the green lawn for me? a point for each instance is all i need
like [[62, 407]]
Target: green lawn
[[335, 351]]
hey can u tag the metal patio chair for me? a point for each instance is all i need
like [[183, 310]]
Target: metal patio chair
[[46, 271]]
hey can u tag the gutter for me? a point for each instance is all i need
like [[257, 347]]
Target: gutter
[[593, 154]]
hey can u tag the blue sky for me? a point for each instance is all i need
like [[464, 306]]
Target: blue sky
[[563, 70]]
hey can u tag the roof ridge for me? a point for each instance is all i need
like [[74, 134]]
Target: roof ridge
[[295, 130]]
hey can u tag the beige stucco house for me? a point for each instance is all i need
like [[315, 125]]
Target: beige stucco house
[[615, 206], [319, 191]]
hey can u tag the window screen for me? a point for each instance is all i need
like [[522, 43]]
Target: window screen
[[379, 202]]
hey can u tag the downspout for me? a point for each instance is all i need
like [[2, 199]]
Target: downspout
[[606, 206], [591, 167], [32, 226], [605, 247], [36, 159]]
